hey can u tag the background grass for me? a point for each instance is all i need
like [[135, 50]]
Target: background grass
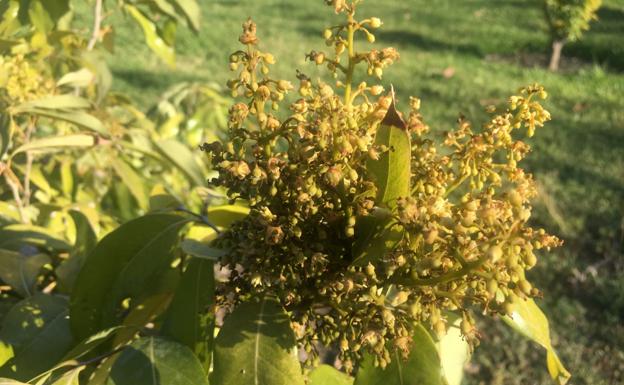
[[492, 47]]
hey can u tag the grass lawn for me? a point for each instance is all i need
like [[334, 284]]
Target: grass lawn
[[491, 48]]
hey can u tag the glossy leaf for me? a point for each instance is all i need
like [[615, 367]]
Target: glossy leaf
[[225, 215], [86, 239], [392, 170], [152, 36], [529, 320], [122, 265], [180, 155], [327, 375], [201, 250], [38, 330], [55, 143], [421, 368], [133, 181], [190, 318], [157, 361], [20, 271], [255, 346]]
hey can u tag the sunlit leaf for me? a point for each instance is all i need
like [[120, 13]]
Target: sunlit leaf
[[421, 368], [152, 36], [81, 78], [132, 180], [5, 133], [191, 11], [16, 236], [256, 346], [529, 320], [454, 352], [327, 375], [225, 215], [392, 170], [54, 143]]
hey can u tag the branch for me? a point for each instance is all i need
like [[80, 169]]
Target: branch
[[97, 24]]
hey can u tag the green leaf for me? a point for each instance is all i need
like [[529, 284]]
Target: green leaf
[[327, 375], [192, 12], [225, 215], [142, 313], [81, 78], [190, 318], [183, 159], [122, 265], [130, 178], [421, 368], [70, 377], [152, 36], [77, 117], [8, 381], [55, 143], [55, 102], [21, 271], [86, 239], [201, 250], [454, 352], [157, 361], [375, 236], [256, 346], [392, 170], [13, 237], [529, 320], [38, 330], [89, 344]]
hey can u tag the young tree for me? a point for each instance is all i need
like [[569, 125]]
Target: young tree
[[567, 20]]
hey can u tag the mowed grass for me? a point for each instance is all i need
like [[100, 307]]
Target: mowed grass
[[490, 48]]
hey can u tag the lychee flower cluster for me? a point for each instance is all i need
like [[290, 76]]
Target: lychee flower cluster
[[354, 271]]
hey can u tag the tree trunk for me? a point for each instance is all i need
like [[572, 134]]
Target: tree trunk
[[555, 57]]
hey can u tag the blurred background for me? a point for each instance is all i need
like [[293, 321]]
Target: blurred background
[[459, 56]]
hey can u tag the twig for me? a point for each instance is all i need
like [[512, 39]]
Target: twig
[[29, 162], [16, 197], [97, 23]]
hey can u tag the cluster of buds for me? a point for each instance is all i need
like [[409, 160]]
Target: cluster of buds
[[21, 81], [462, 244]]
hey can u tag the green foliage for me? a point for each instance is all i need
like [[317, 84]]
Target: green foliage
[[155, 361], [568, 19], [421, 367]]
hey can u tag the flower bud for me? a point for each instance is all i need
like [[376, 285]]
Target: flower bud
[[375, 22]]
